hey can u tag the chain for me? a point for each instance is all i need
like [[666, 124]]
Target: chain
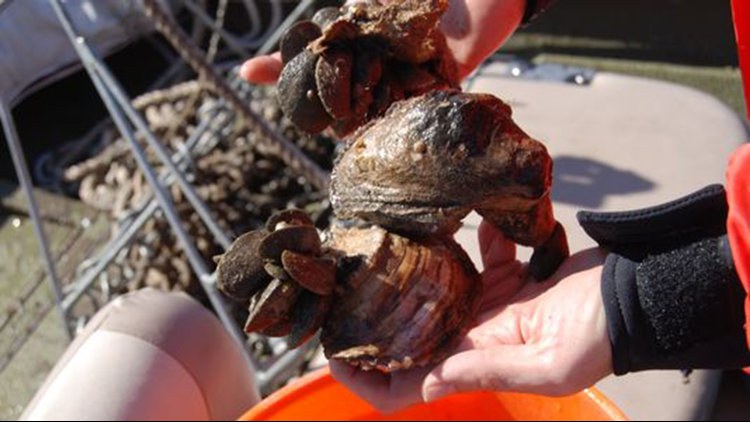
[[277, 145]]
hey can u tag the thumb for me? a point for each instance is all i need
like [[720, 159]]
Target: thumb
[[511, 368]]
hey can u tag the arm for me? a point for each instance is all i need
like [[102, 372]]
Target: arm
[[666, 295], [671, 292], [738, 188]]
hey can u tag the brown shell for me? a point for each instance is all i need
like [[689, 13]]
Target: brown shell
[[301, 239], [433, 159], [298, 94], [334, 76], [409, 305], [308, 317], [410, 27], [240, 273], [317, 275], [291, 217], [297, 38], [272, 307]]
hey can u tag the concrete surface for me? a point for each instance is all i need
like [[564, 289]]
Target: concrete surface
[[24, 293], [624, 143]]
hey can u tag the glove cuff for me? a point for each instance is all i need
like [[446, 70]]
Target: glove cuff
[[700, 215], [676, 309]]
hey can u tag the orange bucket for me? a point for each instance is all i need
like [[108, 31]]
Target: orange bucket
[[318, 397]]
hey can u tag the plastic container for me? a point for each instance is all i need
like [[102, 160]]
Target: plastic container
[[319, 398]]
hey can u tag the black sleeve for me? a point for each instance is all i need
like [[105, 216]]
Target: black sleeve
[[534, 8], [672, 296]]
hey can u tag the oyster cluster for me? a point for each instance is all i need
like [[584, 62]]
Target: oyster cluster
[[348, 65], [388, 284]]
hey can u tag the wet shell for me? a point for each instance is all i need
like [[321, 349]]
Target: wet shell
[[297, 38], [300, 239], [240, 272], [408, 305], [271, 309], [317, 275], [334, 64], [298, 94], [334, 76], [308, 317], [433, 159]]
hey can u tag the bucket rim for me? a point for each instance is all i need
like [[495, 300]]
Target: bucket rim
[[322, 378]]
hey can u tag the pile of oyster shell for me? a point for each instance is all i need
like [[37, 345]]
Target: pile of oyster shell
[[387, 284]]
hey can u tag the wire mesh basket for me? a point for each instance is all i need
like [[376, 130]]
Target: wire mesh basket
[[181, 170]]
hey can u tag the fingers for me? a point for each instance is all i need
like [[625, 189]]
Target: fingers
[[512, 368], [501, 285], [262, 70], [387, 393], [497, 251], [477, 28]]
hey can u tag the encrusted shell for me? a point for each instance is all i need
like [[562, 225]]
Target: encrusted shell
[[433, 159], [334, 65], [408, 304]]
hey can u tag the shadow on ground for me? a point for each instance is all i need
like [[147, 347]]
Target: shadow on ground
[[587, 183]]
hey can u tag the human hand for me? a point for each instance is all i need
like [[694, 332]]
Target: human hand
[[474, 28], [545, 338]]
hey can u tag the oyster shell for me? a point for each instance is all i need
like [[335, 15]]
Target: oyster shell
[[408, 305], [334, 73], [431, 160]]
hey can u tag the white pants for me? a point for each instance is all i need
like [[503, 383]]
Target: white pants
[[149, 356]]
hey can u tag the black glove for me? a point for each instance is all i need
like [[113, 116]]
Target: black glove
[[671, 293]]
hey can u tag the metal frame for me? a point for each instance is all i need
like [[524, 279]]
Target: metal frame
[[22, 170], [130, 123], [121, 109]]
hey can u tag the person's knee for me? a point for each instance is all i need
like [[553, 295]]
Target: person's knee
[[180, 330]]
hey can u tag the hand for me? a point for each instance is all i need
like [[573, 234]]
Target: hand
[[543, 338], [475, 29]]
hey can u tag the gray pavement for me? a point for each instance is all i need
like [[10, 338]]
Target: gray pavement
[[25, 295]]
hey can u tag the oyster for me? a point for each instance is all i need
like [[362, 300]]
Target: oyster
[[347, 65], [431, 160], [408, 304], [393, 290]]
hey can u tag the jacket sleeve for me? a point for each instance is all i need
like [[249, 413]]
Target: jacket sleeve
[[738, 195]]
